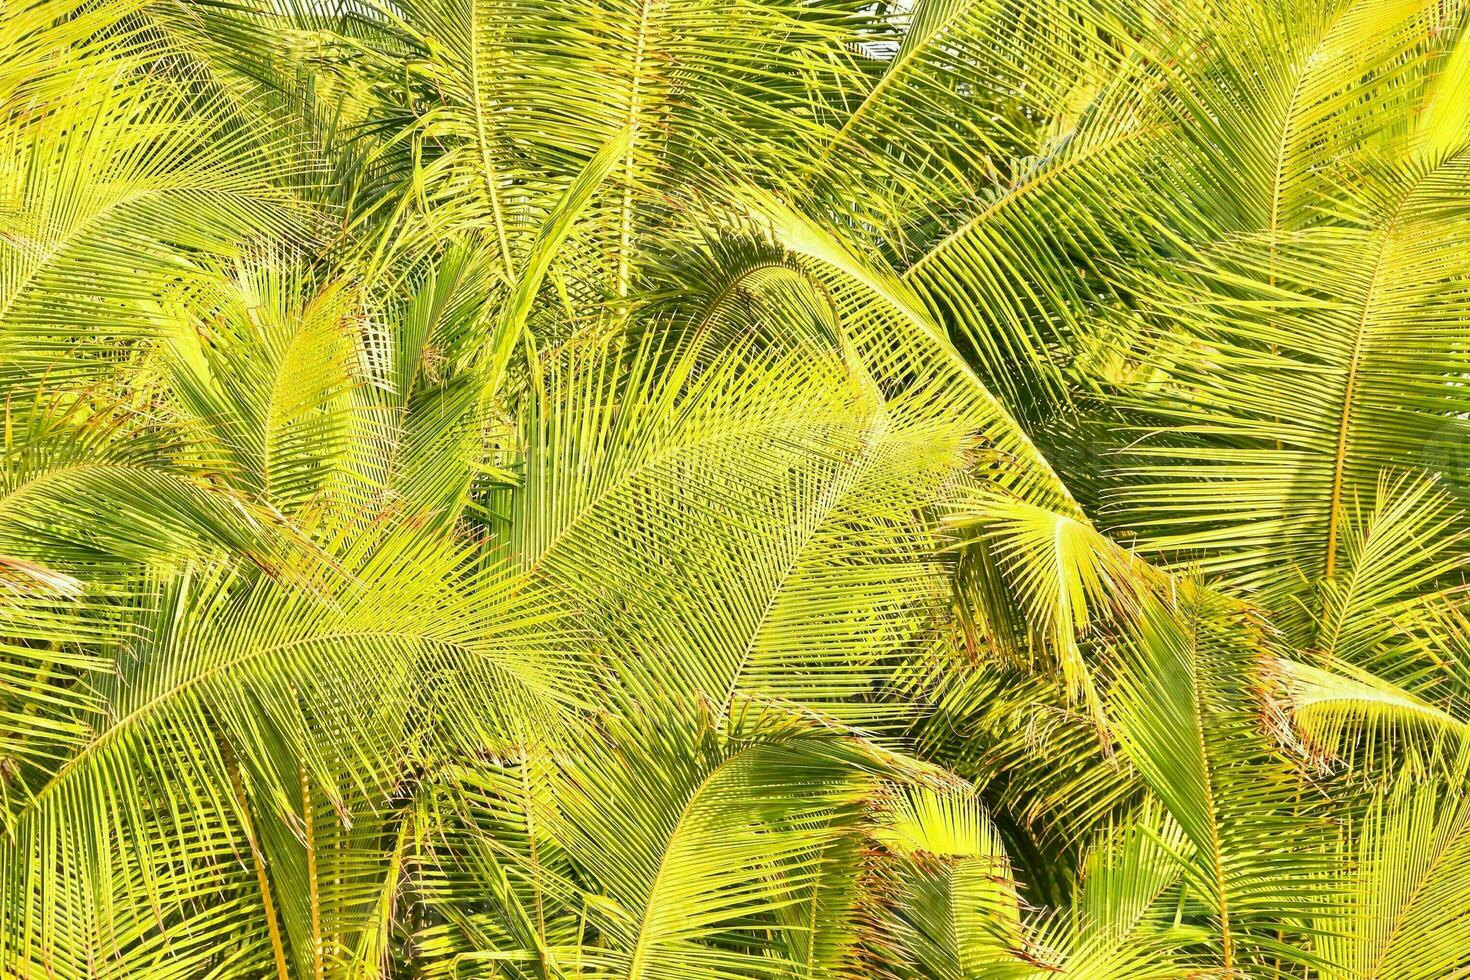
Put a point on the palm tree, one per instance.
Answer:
(746, 489)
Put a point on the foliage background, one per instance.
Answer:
(734, 488)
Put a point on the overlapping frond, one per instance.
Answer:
(786, 489)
